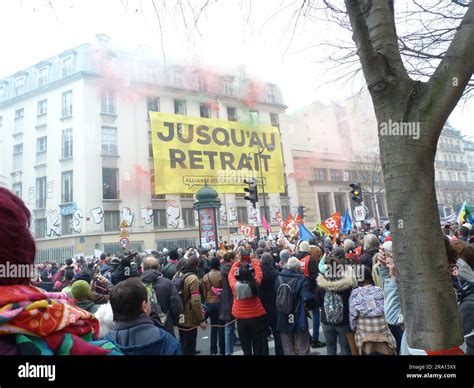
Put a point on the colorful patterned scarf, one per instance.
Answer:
(46, 323)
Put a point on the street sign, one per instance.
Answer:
(123, 242)
(359, 213)
(124, 232)
(123, 224)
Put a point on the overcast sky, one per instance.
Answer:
(231, 32)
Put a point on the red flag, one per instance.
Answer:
(246, 230)
(298, 219)
(332, 224)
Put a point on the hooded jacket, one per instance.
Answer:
(141, 337)
(267, 290)
(167, 296)
(249, 307)
(342, 286)
(301, 294)
(227, 298)
(466, 303)
(87, 305)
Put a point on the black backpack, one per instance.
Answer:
(169, 270)
(178, 282)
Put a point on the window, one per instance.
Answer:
(109, 140)
(160, 219)
(111, 221)
(242, 214)
(110, 183)
(231, 113)
(17, 189)
(285, 212)
(324, 208)
(336, 175)
(66, 224)
(205, 111)
(40, 227)
(41, 192)
(42, 76)
(67, 186)
(253, 116)
(20, 85)
(320, 174)
(41, 144)
(67, 144)
(340, 200)
(275, 120)
(153, 104)
(67, 103)
(19, 113)
(17, 148)
(229, 88)
(2, 91)
(202, 83)
(353, 176)
(67, 66)
(180, 107)
(179, 79)
(188, 217)
(108, 102)
(271, 94)
(42, 107)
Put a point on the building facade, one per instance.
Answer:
(337, 144)
(333, 146)
(454, 167)
(77, 147)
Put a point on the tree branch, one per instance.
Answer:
(447, 84)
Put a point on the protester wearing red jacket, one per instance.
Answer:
(245, 277)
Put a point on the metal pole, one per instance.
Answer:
(263, 188)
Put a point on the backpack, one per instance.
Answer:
(284, 297)
(169, 270)
(333, 307)
(178, 282)
(156, 313)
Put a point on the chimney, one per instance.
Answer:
(102, 40)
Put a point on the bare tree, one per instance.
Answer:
(429, 304)
(368, 171)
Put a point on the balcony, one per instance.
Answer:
(455, 165)
(449, 147)
(455, 185)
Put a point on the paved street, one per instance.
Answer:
(204, 338)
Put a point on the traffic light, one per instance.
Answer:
(356, 192)
(252, 195)
(301, 211)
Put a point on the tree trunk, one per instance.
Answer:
(431, 314)
(428, 299)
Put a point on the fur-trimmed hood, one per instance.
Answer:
(341, 284)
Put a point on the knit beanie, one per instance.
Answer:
(80, 290)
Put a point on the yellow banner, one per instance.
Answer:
(190, 151)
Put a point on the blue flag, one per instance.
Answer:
(305, 234)
(346, 222)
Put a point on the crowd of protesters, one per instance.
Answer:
(280, 290)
